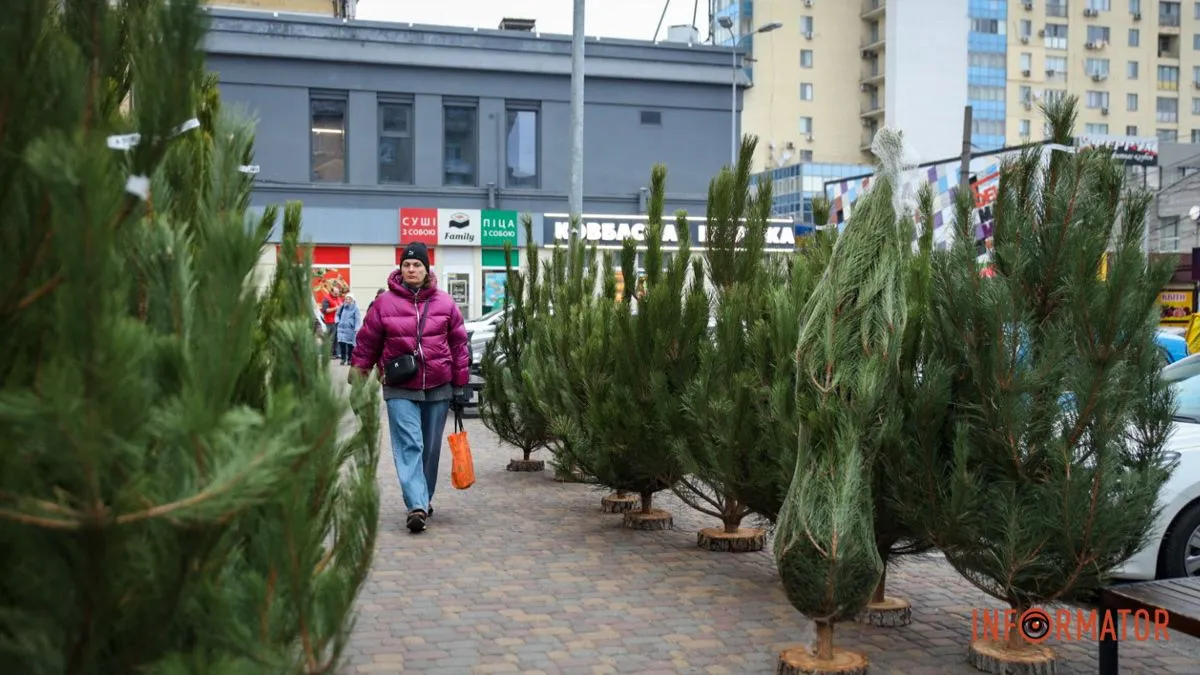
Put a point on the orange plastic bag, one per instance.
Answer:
(462, 471)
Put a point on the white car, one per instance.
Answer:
(1174, 547)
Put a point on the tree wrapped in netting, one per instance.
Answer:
(507, 406)
(1053, 460)
(727, 454)
(848, 354)
(159, 511)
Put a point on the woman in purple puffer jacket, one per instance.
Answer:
(417, 407)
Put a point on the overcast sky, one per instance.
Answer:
(634, 19)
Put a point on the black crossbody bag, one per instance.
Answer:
(401, 369)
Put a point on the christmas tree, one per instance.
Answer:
(633, 359)
(728, 458)
(160, 513)
(507, 407)
(1056, 396)
(848, 367)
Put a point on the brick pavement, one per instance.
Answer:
(522, 574)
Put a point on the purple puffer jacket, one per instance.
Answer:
(390, 329)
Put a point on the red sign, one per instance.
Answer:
(419, 225)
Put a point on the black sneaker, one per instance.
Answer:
(416, 521)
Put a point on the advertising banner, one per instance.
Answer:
(459, 227)
(498, 227)
(611, 230)
(419, 225)
(1176, 306)
(1129, 150)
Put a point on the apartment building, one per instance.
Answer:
(837, 70)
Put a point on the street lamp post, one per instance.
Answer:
(727, 23)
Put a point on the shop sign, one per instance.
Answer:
(612, 230)
(498, 228)
(1175, 306)
(459, 227)
(1129, 150)
(419, 225)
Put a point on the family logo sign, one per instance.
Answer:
(1070, 625)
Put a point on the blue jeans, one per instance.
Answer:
(416, 428)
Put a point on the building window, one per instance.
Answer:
(1166, 109)
(1056, 68)
(1056, 35)
(1131, 102)
(1056, 7)
(806, 155)
(806, 126)
(1026, 61)
(987, 127)
(1196, 106)
(1168, 78)
(1168, 234)
(460, 143)
(1196, 76)
(1196, 9)
(991, 26)
(522, 151)
(1168, 13)
(651, 118)
(1095, 129)
(1025, 95)
(806, 91)
(1100, 5)
(395, 142)
(1098, 34)
(1097, 99)
(1195, 135)
(1096, 67)
(1131, 130)
(1166, 135)
(806, 25)
(1135, 37)
(1131, 70)
(1024, 128)
(1053, 95)
(1135, 6)
(806, 58)
(986, 60)
(1025, 29)
(328, 115)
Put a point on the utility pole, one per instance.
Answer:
(964, 170)
(575, 206)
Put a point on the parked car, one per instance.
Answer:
(1173, 549)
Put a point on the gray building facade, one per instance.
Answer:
(362, 120)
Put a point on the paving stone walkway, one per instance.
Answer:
(522, 574)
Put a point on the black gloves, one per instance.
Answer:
(459, 399)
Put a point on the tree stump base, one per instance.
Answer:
(654, 519)
(992, 656)
(526, 465)
(572, 476)
(801, 661)
(616, 503)
(744, 540)
(890, 613)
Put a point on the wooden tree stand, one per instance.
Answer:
(620, 503)
(526, 465)
(743, 540)
(799, 660)
(654, 519)
(996, 656)
(887, 613)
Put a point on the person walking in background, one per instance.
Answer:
(415, 335)
(330, 299)
(349, 319)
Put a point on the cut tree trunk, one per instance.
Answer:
(654, 519)
(619, 502)
(825, 660)
(997, 656)
(741, 540)
(526, 465)
(883, 611)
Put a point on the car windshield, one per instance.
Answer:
(1184, 378)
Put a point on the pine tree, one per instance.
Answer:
(726, 453)
(848, 350)
(157, 513)
(773, 353)
(507, 407)
(1054, 389)
(633, 365)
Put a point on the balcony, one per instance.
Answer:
(872, 9)
(873, 75)
(873, 44)
(871, 108)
